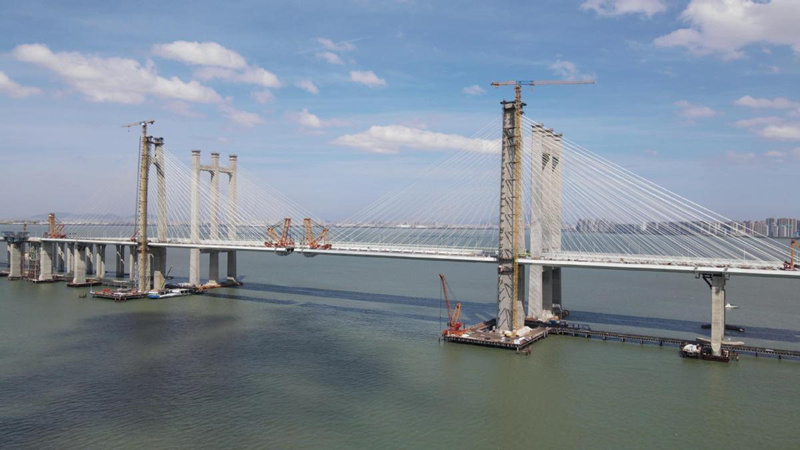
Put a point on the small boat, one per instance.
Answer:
(169, 293)
(729, 306)
(700, 351)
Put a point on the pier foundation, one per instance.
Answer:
(69, 258)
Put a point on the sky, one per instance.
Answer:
(337, 103)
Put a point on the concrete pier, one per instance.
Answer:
(69, 258)
(131, 263)
(90, 259)
(79, 263)
(159, 262)
(100, 261)
(213, 267)
(119, 260)
(15, 259)
(194, 227)
(46, 252)
(717, 312)
(544, 283)
(232, 266)
(194, 267)
(60, 266)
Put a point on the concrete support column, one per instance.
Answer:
(79, 264)
(194, 266)
(14, 259)
(159, 262)
(69, 258)
(547, 293)
(59, 254)
(213, 267)
(46, 252)
(100, 261)
(717, 312)
(232, 266)
(89, 259)
(132, 263)
(119, 259)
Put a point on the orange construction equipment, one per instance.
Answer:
(284, 241)
(453, 325)
(56, 229)
(319, 243)
(790, 265)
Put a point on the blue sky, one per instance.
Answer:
(701, 96)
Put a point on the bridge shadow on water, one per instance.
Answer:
(478, 311)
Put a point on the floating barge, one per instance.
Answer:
(483, 335)
(120, 295)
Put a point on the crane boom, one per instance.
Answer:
(539, 82)
(453, 325)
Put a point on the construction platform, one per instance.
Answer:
(87, 283)
(483, 335)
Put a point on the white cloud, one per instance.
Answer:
(181, 108)
(119, 80)
(776, 103)
(775, 154)
(367, 78)
(758, 121)
(309, 120)
(620, 7)
(243, 118)
(201, 53)
(15, 90)
(724, 27)
(740, 158)
(785, 132)
(308, 85)
(262, 96)
(474, 90)
(343, 46)
(250, 75)
(568, 70)
(392, 138)
(330, 57)
(650, 152)
(691, 111)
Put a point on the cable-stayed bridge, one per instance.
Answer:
(517, 195)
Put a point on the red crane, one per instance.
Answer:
(453, 325)
(284, 241)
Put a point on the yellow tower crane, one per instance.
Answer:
(518, 239)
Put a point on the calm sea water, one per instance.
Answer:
(334, 352)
